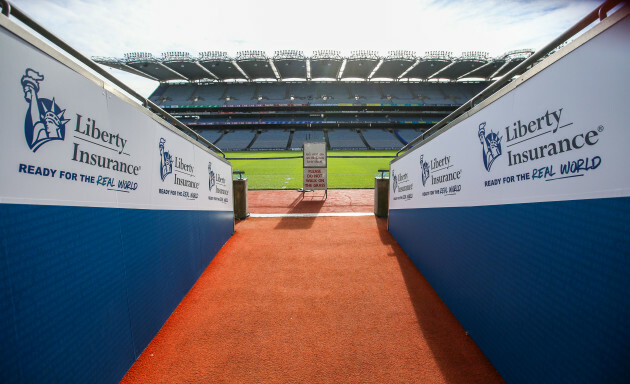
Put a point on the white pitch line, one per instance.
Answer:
(332, 214)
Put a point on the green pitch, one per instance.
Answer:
(344, 173)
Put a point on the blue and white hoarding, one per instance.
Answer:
(91, 148)
(518, 214)
(108, 215)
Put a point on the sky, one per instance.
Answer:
(115, 27)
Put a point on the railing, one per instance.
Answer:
(10, 10)
(599, 13)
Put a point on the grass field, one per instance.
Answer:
(343, 173)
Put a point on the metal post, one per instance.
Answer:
(381, 194)
(241, 209)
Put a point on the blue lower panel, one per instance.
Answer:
(543, 288)
(84, 290)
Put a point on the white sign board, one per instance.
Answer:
(315, 179)
(315, 155)
(315, 159)
(68, 141)
(560, 135)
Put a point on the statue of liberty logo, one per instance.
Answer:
(491, 144)
(425, 170)
(166, 161)
(212, 180)
(44, 120)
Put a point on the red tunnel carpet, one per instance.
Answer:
(312, 300)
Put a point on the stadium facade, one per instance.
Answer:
(363, 101)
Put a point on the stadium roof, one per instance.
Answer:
(220, 65)
(326, 64)
(394, 65)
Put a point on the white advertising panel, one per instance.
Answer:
(65, 140)
(560, 135)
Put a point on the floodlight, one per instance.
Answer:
(214, 56)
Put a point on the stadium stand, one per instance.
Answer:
(157, 95)
(366, 93)
(345, 139)
(211, 121)
(212, 135)
(238, 94)
(406, 134)
(303, 91)
(461, 91)
(271, 140)
(260, 109)
(301, 136)
(335, 92)
(181, 94)
(329, 93)
(396, 93)
(236, 140)
(243, 119)
(273, 92)
(210, 95)
(380, 139)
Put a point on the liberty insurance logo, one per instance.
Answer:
(491, 144)
(44, 121)
(425, 170)
(395, 183)
(212, 179)
(166, 160)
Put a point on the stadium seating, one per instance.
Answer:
(380, 139)
(373, 119)
(244, 119)
(313, 93)
(303, 92)
(239, 94)
(407, 134)
(274, 119)
(212, 135)
(341, 138)
(213, 95)
(429, 94)
(181, 94)
(156, 96)
(309, 118)
(212, 120)
(275, 139)
(336, 92)
(387, 113)
(272, 93)
(236, 140)
(399, 93)
(366, 92)
(461, 91)
(343, 119)
(300, 136)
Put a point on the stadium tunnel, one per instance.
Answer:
(524, 254)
